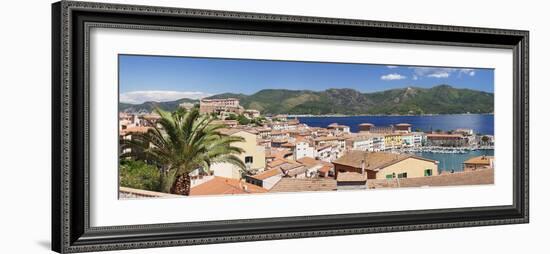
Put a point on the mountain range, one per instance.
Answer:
(442, 99)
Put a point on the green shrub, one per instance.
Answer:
(139, 175)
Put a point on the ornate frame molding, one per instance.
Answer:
(71, 22)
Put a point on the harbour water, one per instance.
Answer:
(483, 124)
(480, 123)
(454, 161)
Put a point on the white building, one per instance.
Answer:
(418, 138)
(303, 149)
(324, 153)
(360, 143)
(366, 142)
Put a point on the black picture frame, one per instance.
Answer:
(71, 22)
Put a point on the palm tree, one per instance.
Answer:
(181, 142)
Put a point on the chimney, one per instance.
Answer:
(363, 167)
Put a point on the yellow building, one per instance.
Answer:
(393, 140)
(253, 155)
(383, 165)
(410, 167)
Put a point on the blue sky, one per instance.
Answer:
(162, 78)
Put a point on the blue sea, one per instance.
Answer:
(483, 124)
(453, 161)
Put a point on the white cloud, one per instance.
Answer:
(393, 76)
(469, 72)
(440, 74)
(392, 66)
(136, 97)
(435, 72)
(415, 77)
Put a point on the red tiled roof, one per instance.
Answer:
(373, 160)
(222, 185)
(267, 174)
(138, 129)
(304, 184)
(308, 161)
(351, 177)
(480, 160)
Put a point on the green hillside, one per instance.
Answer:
(442, 99)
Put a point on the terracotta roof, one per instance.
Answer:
(221, 185)
(232, 131)
(319, 148)
(229, 131)
(304, 184)
(366, 124)
(151, 116)
(137, 129)
(364, 136)
(442, 135)
(326, 168)
(267, 174)
(480, 160)
(290, 166)
(277, 132)
(277, 162)
(351, 177)
(300, 139)
(278, 154)
(373, 160)
(308, 161)
(288, 145)
(331, 138)
(227, 122)
(484, 176)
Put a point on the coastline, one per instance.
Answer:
(383, 115)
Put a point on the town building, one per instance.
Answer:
(279, 134)
(303, 149)
(253, 155)
(290, 124)
(464, 131)
(317, 168)
(418, 139)
(324, 153)
(251, 113)
(365, 127)
(186, 105)
(220, 106)
(351, 181)
(225, 186)
(338, 129)
(266, 179)
(449, 140)
(364, 141)
(264, 132)
(393, 141)
(384, 165)
(227, 123)
(402, 128)
(337, 141)
(479, 163)
(407, 139)
(304, 184)
(360, 143)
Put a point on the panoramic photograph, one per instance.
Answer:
(196, 126)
